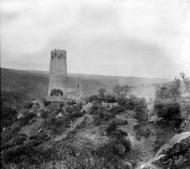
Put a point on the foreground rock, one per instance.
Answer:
(173, 155)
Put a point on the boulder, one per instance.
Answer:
(175, 153)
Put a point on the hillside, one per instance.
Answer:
(18, 86)
(96, 134)
(100, 131)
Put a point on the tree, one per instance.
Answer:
(175, 88)
(121, 90)
(116, 90)
(56, 92)
(169, 91)
(168, 109)
(125, 90)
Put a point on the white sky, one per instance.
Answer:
(113, 37)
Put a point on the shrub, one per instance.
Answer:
(122, 101)
(110, 99)
(100, 113)
(117, 110)
(114, 148)
(74, 115)
(141, 111)
(93, 98)
(54, 123)
(56, 92)
(158, 143)
(121, 91)
(74, 108)
(59, 124)
(27, 117)
(19, 139)
(28, 105)
(14, 141)
(169, 91)
(100, 117)
(39, 136)
(168, 109)
(27, 154)
(97, 109)
(37, 139)
(8, 116)
(111, 127)
(136, 104)
(9, 134)
(44, 114)
(143, 132)
(119, 134)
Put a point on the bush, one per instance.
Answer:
(56, 92)
(114, 148)
(169, 91)
(119, 134)
(37, 139)
(158, 143)
(141, 111)
(9, 134)
(27, 154)
(19, 139)
(100, 113)
(143, 132)
(28, 105)
(54, 123)
(111, 127)
(44, 114)
(14, 141)
(110, 99)
(168, 109)
(136, 104)
(93, 98)
(97, 109)
(39, 136)
(8, 116)
(27, 117)
(59, 124)
(75, 108)
(117, 110)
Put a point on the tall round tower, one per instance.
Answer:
(58, 71)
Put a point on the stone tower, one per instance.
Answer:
(58, 71)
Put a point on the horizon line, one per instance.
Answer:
(130, 76)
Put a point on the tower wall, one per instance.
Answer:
(58, 71)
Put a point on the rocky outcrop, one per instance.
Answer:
(175, 153)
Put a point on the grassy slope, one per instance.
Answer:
(20, 86)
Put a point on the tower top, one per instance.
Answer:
(58, 53)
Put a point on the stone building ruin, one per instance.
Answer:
(60, 86)
(58, 71)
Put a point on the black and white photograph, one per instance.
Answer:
(95, 84)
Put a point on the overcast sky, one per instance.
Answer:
(112, 37)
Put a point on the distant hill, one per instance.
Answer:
(18, 86)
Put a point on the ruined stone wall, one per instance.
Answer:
(58, 71)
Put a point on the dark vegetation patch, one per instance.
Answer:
(169, 110)
(167, 104)
(8, 116)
